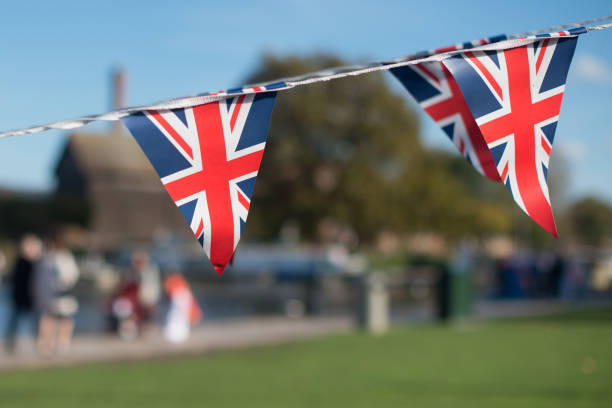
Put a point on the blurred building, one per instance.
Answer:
(125, 198)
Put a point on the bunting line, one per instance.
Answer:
(284, 84)
(582, 23)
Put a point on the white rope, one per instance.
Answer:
(321, 76)
(599, 27)
(563, 27)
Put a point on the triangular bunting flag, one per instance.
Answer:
(436, 91)
(515, 96)
(207, 157)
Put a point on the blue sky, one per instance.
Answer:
(57, 57)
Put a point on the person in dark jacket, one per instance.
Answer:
(21, 294)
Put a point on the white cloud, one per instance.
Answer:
(593, 68)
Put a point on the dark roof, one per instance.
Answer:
(111, 158)
(128, 201)
(102, 152)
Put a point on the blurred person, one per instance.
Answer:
(183, 311)
(556, 274)
(135, 302)
(149, 285)
(574, 281)
(21, 296)
(2, 264)
(601, 278)
(125, 314)
(56, 277)
(508, 277)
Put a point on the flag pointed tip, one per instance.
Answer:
(550, 227)
(554, 233)
(219, 269)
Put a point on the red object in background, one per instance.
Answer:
(176, 285)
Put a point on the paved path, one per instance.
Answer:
(237, 334)
(250, 332)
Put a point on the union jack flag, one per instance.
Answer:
(436, 91)
(515, 96)
(207, 157)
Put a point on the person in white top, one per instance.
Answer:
(56, 276)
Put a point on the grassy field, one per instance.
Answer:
(562, 361)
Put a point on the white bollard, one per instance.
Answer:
(377, 303)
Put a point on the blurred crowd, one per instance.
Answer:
(132, 294)
(529, 274)
(42, 297)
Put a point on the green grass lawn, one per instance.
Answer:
(562, 361)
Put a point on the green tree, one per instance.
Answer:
(348, 152)
(590, 220)
(334, 151)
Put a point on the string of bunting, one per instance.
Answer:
(498, 99)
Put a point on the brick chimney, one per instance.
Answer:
(118, 97)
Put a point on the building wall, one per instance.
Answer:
(127, 202)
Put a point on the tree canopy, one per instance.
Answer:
(347, 154)
(590, 220)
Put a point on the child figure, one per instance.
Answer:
(183, 312)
